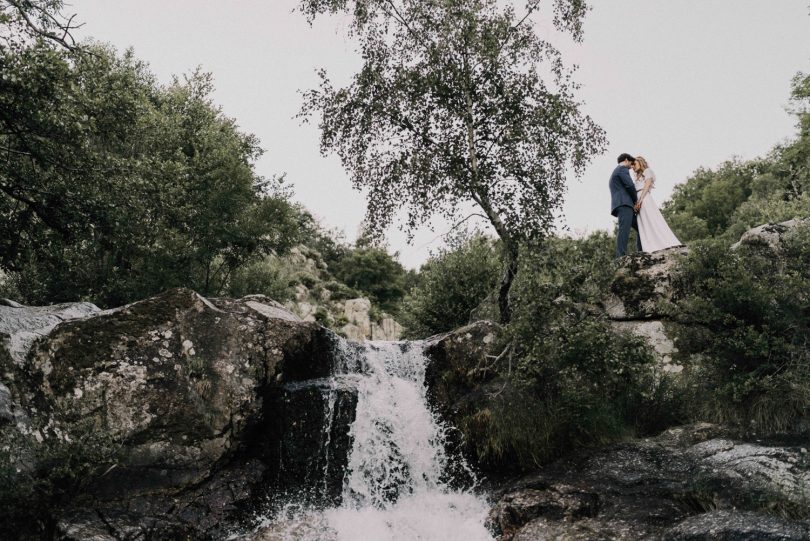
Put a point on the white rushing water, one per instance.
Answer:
(394, 488)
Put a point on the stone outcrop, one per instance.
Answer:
(642, 289)
(20, 326)
(315, 301)
(460, 364)
(641, 283)
(168, 418)
(768, 237)
(356, 313)
(674, 486)
(360, 327)
(639, 290)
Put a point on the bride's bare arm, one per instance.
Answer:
(647, 185)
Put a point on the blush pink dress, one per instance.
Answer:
(653, 229)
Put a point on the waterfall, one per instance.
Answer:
(395, 485)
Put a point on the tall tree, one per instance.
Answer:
(458, 102)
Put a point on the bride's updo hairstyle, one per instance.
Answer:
(642, 163)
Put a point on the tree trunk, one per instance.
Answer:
(510, 269)
(480, 196)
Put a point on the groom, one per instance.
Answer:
(623, 199)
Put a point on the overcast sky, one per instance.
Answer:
(687, 84)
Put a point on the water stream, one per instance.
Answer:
(396, 485)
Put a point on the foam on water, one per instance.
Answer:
(394, 488)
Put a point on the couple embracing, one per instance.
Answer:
(632, 203)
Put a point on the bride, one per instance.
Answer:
(653, 229)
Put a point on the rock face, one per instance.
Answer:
(642, 285)
(328, 302)
(459, 361)
(768, 236)
(170, 416)
(20, 326)
(356, 312)
(670, 487)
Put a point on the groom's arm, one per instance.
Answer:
(627, 182)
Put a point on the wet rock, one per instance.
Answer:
(737, 526)
(686, 482)
(307, 439)
(158, 410)
(782, 472)
(459, 362)
(555, 502)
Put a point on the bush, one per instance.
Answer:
(569, 380)
(269, 276)
(374, 272)
(8, 286)
(746, 333)
(449, 286)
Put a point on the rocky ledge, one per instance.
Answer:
(167, 418)
(689, 483)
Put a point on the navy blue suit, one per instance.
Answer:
(623, 198)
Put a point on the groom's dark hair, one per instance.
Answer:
(625, 156)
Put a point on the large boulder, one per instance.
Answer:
(692, 482)
(641, 282)
(641, 291)
(460, 361)
(769, 237)
(154, 417)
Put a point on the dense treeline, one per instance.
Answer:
(114, 187)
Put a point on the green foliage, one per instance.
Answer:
(568, 379)
(740, 195)
(340, 291)
(450, 286)
(457, 104)
(374, 272)
(747, 332)
(268, 276)
(116, 188)
(705, 204)
(36, 479)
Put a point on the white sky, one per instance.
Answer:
(686, 83)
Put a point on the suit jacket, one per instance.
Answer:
(622, 189)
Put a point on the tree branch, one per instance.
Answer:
(66, 27)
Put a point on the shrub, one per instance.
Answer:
(746, 333)
(374, 272)
(569, 380)
(269, 276)
(449, 286)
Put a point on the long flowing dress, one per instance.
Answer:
(652, 227)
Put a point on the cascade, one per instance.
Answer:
(395, 485)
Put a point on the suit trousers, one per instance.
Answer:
(627, 220)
